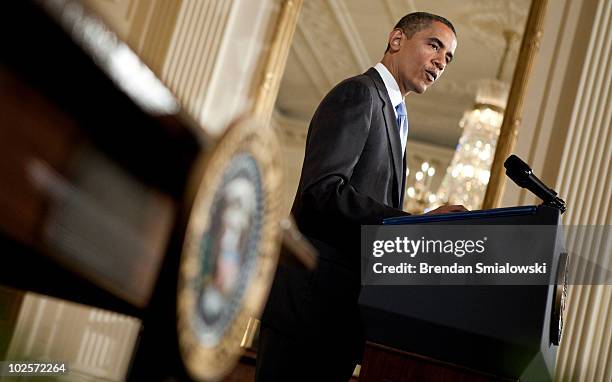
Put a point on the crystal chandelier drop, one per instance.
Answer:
(467, 176)
(419, 195)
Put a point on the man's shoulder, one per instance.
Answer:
(362, 80)
(362, 85)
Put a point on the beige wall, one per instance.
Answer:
(292, 136)
(96, 344)
(565, 137)
(551, 94)
(210, 53)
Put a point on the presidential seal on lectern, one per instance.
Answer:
(230, 249)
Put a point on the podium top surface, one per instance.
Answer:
(456, 216)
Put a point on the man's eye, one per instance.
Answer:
(435, 47)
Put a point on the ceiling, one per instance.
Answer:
(336, 39)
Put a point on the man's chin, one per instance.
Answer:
(421, 89)
(418, 88)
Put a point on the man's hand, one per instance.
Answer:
(447, 208)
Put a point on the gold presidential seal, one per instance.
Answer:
(230, 249)
(559, 300)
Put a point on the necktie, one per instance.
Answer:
(402, 124)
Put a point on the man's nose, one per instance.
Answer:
(440, 63)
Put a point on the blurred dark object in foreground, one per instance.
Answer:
(90, 181)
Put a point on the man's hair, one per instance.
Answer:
(416, 21)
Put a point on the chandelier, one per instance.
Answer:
(419, 195)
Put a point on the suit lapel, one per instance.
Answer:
(392, 130)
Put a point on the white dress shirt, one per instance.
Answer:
(394, 94)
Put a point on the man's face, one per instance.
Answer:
(421, 59)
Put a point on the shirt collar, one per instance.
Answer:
(392, 87)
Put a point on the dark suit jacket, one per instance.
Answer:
(352, 175)
(353, 170)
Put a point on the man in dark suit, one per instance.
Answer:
(353, 174)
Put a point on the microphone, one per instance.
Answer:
(523, 176)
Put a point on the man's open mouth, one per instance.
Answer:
(431, 75)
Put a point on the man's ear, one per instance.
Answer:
(395, 38)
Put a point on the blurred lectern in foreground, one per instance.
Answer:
(470, 332)
(113, 197)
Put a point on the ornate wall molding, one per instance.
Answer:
(484, 24)
(330, 46)
(455, 88)
(119, 15)
(395, 11)
(152, 30)
(290, 129)
(307, 61)
(200, 28)
(327, 42)
(292, 135)
(145, 25)
(351, 33)
(96, 344)
(584, 178)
